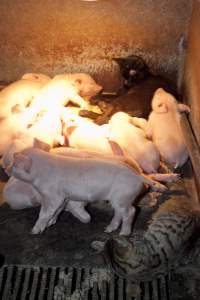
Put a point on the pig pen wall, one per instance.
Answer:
(191, 76)
(75, 36)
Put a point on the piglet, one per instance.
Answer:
(64, 88)
(19, 94)
(16, 136)
(38, 77)
(60, 179)
(133, 141)
(13, 127)
(19, 194)
(135, 145)
(164, 128)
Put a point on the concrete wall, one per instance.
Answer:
(191, 79)
(53, 36)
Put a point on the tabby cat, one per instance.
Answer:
(162, 244)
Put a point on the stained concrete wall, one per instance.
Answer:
(54, 36)
(191, 78)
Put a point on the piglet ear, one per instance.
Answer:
(22, 162)
(116, 149)
(41, 145)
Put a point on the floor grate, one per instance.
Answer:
(56, 283)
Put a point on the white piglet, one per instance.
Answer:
(19, 94)
(61, 179)
(164, 128)
(64, 88)
(134, 142)
(19, 194)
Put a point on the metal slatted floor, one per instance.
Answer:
(46, 283)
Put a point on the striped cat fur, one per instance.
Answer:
(161, 246)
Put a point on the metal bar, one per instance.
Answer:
(17, 283)
(26, 283)
(51, 283)
(120, 285)
(194, 153)
(43, 284)
(140, 295)
(103, 290)
(86, 284)
(112, 288)
(1, 278)
(78, 279)
(95, 291)
(7, 288)
(34, 285)
(68, 287)
(146, 291)
(163, 290)
(155, 289)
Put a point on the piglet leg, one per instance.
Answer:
(115, 222)
(127, 220)
(165, 177)
(75, 98)
(77, 209)
(49, 212)
(139, 122)
(164, 168)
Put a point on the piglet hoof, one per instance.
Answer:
(125, 232)
(85, 106)
(158, 187)
(85, 219)
(175, 177)
(108, 229)
(37, 229)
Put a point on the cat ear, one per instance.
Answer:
(119, 60)
(122, 246)
(22, 161)
(41, 145)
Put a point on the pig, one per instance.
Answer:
(19, 94)
(109, 140)
(19, 194)
(42, 78)
(88, 136)
(25, 141)
(12, 128)
(164, 128)
(139, 122)
(83, 134)
(64, 88)
(133, 141)
(47, 128)
(16, 145)
(135, 145)
(59, 179)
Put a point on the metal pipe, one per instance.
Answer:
(194, 154)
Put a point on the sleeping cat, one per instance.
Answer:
(161, 246)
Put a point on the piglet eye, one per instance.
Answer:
(79, 81)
